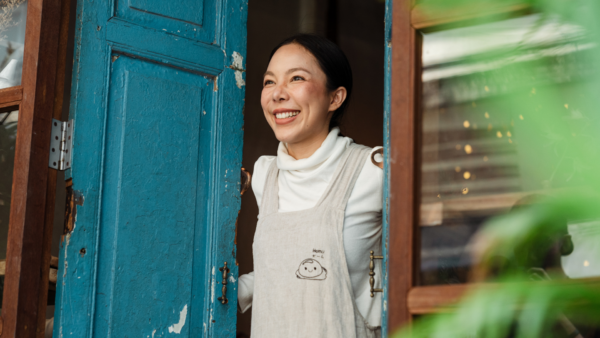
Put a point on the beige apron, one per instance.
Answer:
(301, 283)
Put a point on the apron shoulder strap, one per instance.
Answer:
(270, 199)
(342, 183)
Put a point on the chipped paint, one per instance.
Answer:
(178, 326)
(238, 66)
(153, 332)
(212, 287)
(231, 278)
(239, 80)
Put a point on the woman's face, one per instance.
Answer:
(295, 98)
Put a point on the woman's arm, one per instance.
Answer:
(245, 291)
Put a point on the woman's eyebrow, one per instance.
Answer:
(291, 70)
(295, 69)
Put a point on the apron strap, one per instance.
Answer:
(270, 199)
(342, 183)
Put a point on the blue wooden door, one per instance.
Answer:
(157, 100)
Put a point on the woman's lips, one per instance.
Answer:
(286, 117)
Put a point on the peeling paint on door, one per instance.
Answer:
(178, 326)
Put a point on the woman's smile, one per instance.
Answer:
(285, 116)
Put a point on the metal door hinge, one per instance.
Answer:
(61, 145)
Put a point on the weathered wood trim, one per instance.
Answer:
(421, 18)
(11, 94)
(20, 308)
(403, 143)
(430, 299)
(59, 95)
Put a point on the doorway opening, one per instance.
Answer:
(357, 26)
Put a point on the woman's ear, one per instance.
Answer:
(338, 97)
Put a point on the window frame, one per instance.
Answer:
(39, 98)
(404, 297)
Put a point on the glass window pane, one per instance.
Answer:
(478, 156)
(8, 137)
(13, 16)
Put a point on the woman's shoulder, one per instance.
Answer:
(263, 163)
(370, 169)
(368, 189)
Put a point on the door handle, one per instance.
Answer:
(225, 270)
(373, 154)
(372, 273)
(246, 180)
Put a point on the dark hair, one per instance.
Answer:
(333, 63)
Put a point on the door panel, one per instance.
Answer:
(192, 19)
(154, 199)
(156, 170)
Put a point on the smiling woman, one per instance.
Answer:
(309, 75)
(320, 202)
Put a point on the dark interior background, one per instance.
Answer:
(357, 26)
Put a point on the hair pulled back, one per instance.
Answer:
(333, 63)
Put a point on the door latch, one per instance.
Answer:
(372, 274)
(246, 181)
(225, 270)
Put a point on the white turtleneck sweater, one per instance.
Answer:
(301, 184)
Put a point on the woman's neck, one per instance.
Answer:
(306, 148)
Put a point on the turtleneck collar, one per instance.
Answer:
(331, 148)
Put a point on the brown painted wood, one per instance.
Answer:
(11, 94)
(441, 298)
(59, 96)
(430, 299)
(403, 204)
(422, 18)
(25, 253)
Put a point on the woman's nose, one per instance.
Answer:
(280, 93)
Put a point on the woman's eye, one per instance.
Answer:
(268, 82)
(297, 78)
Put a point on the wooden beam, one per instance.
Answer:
(431, 299)
(424, 18)
(25, 253)
(11, 94)
(49, 275)
(403, 201)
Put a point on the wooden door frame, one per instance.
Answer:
(34, 183)
(403, 297)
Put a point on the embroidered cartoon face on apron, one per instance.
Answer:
(301, 283)
(311, 269)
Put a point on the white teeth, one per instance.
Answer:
(286, 115)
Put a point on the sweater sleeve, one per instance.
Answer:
(245, 291)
